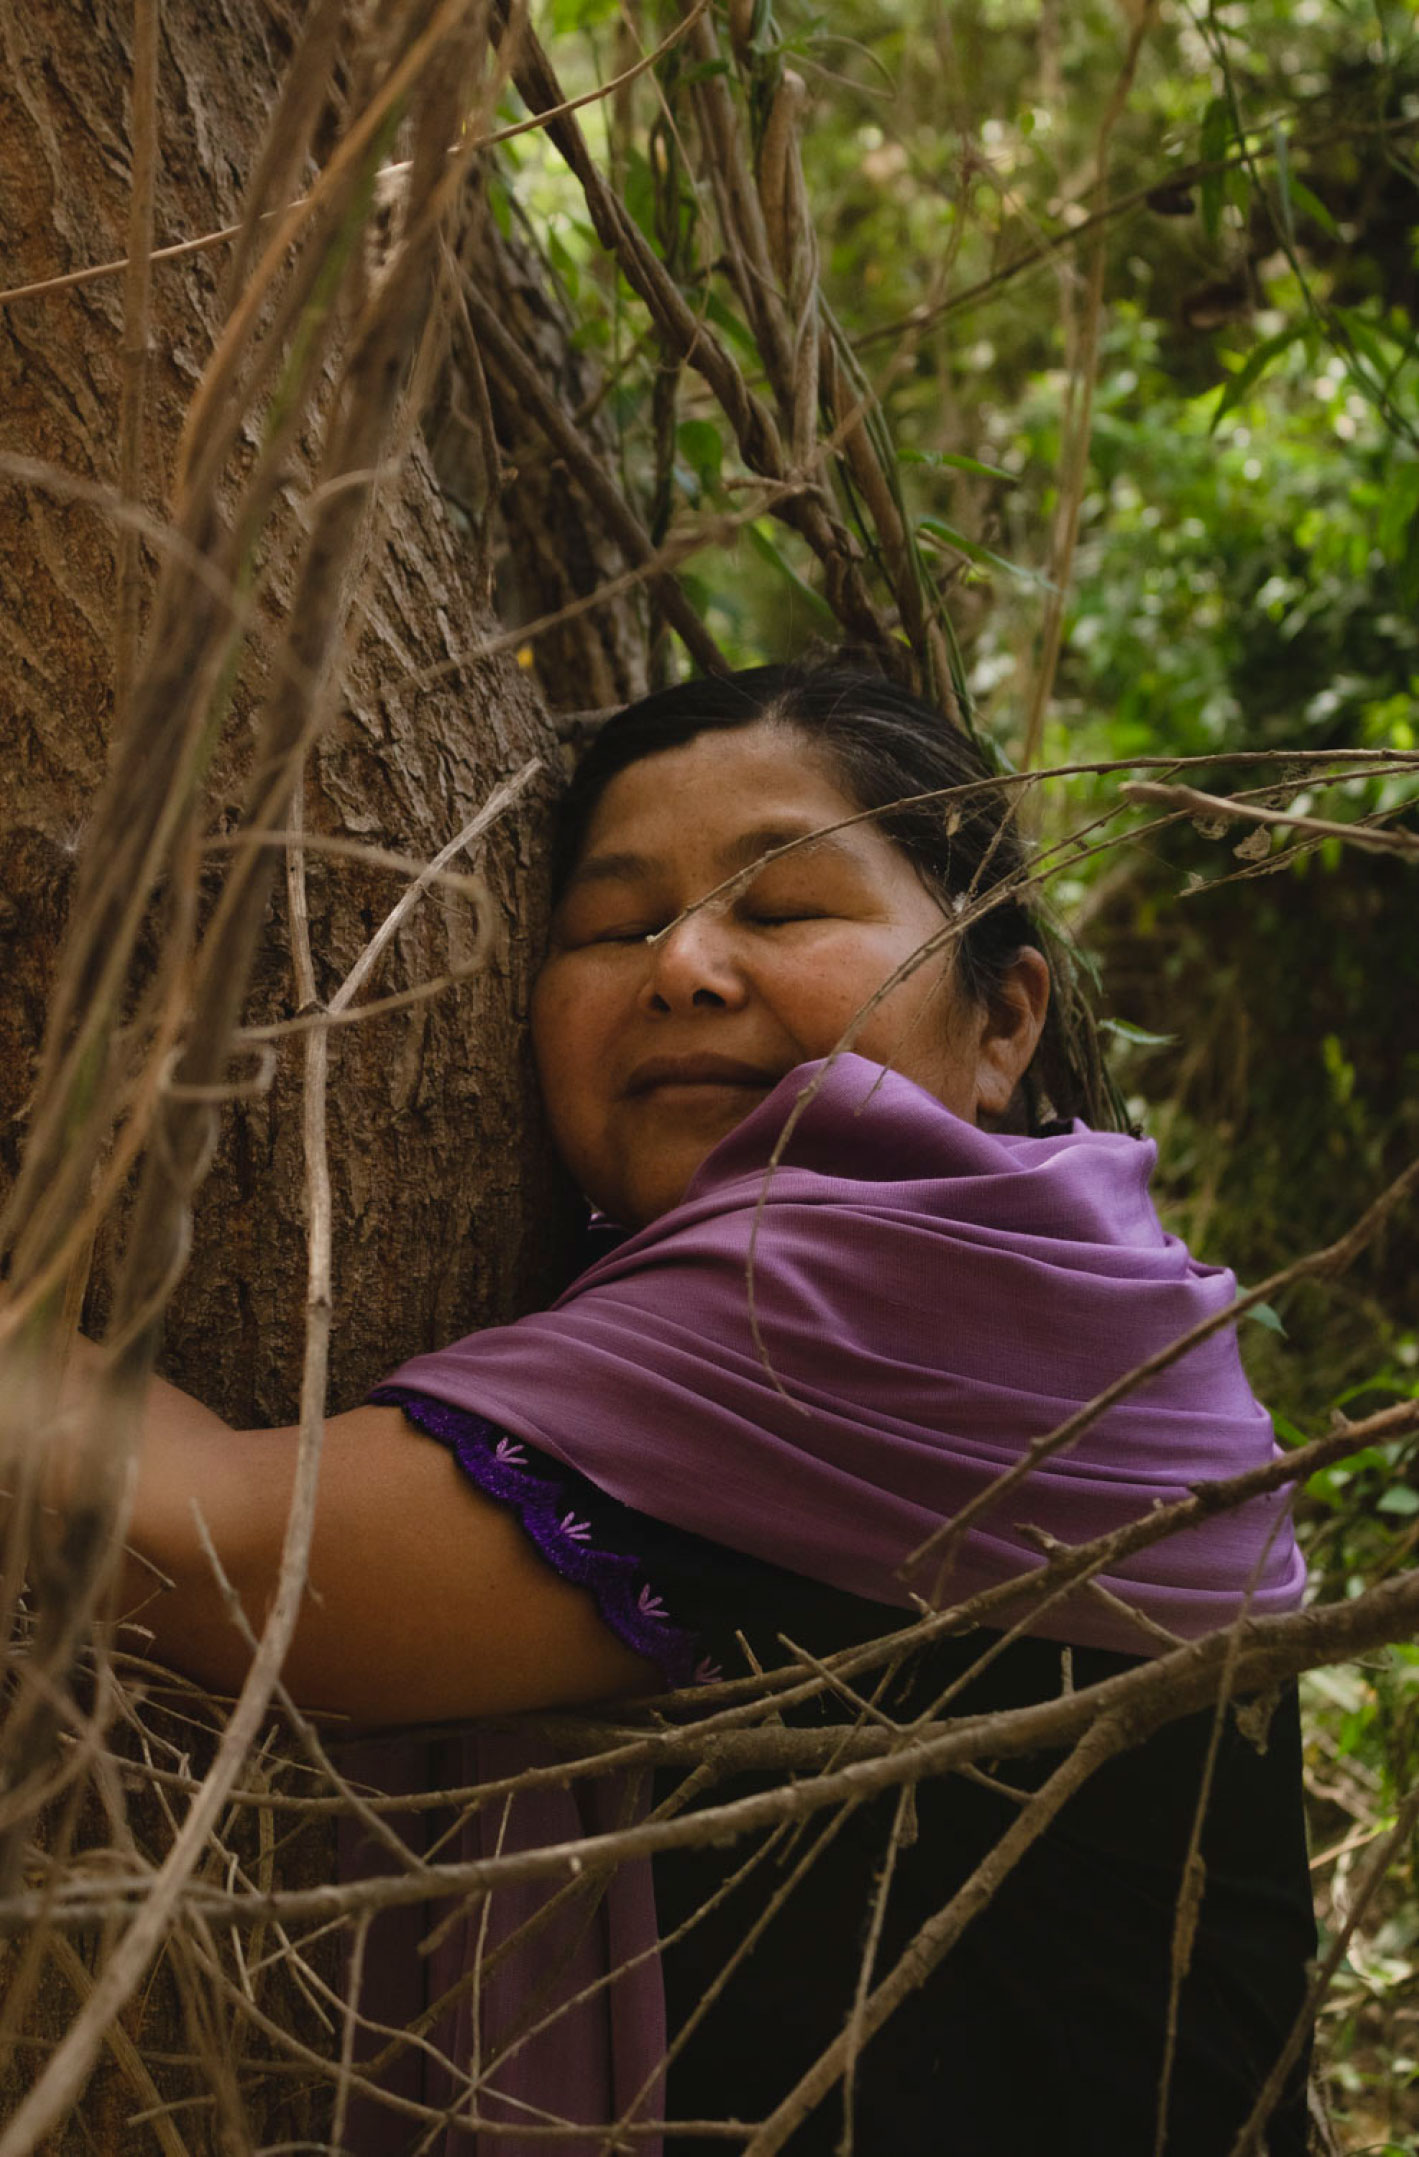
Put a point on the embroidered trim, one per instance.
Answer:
(551, 1502)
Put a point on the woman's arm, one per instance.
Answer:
(425, 1599)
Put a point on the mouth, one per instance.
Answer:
(699, 1071)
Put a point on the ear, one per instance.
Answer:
(1008, 1032)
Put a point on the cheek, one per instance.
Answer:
(554, 1035)
(832, 989)
(914, 1027)
(573, 1023)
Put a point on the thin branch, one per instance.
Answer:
(1141, 1699)
(1370, 838)
(940, 1933)
(524, 380)
(501, 798)
(1333, 1258)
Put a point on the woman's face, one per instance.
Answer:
(649, 1054)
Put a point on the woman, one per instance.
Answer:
(791, 1036)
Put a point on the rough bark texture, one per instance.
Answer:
(550, 548)
(432, 1145)
(448, 1213)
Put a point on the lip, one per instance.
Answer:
(700, 1070)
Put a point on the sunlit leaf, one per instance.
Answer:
(1124, 1030)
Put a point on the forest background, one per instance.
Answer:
(1067, 356)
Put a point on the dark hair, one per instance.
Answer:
(884, 745)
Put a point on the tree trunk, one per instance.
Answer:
(448, 1211)
(434, 1138)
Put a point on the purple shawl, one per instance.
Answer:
(930, 1298)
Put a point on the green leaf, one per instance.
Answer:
(1216, 138)
(764, 546)
(1254, 366)
(1313, 207)
(1363, 335)
(946, 535)
(1125, 1030)
(701, 448)
(1264, 1315)
(1372, 333)
(942, 457)
(1400, 1501)
(1409, 568)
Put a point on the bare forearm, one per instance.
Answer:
(425, 1598)
(195, 1485)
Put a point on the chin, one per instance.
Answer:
(647, 1199)
(639, 1208)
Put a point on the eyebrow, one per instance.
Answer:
(740, 853)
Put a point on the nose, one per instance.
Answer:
(693, 966)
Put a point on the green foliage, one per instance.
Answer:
(1245, 578)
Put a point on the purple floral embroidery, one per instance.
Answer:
(537, 1491)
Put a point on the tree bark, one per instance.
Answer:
(448, 1210)
(435, 1125)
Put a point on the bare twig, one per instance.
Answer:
(1141, 1699)
(1369, 837)
(1323, 1264)
(940, 1933)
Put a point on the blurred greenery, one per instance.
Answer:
(1246, 578)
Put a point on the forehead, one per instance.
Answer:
(765, 782)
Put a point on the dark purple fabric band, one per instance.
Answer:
(550, 1501)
